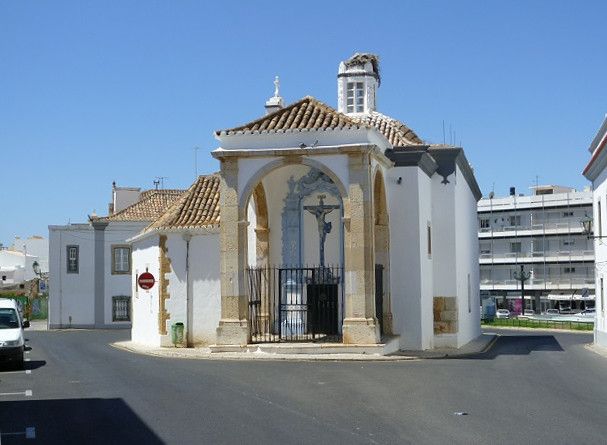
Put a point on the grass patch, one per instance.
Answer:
(539, 324)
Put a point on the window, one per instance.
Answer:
(515, 247)
(515, 220)
(538, 245)
(483, 223)
(121, 308)
(485, 248)
(429, 236)
(568, 269)
(355, 97)
(121, 260)
(72, 259)
(566, 214)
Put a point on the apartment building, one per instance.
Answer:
(543, 233)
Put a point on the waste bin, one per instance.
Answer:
(177, 333)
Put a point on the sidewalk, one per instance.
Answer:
(480, 345)
(204, 353)
(600, 350)
(38, 325)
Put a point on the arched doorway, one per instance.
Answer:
(294, 278)
(381, 232)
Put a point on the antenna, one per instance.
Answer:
(444, 140)
(196, 161)
(160, 180)
(156, 184)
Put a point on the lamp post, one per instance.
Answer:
(522, 276)
(36, 267)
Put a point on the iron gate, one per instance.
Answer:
(295, 303)
(379, 296)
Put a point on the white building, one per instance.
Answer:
(322, 225)
(36, 246)
(90, 263)
(16, 267)
(596, 172)
(542, 232)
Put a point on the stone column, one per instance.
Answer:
(233, 326)
(360, 325)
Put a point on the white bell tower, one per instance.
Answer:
(357, 83)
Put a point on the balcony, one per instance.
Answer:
(530, 230)
(536, 257)
(539, 283)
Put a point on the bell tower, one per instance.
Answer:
(357, 83)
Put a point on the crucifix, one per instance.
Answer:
(320, 212)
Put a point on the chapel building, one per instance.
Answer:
(323, 225)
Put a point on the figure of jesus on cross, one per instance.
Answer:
(320, 212)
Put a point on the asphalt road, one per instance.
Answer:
(539, 387)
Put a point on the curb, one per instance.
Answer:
(239, 356)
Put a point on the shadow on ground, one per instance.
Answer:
(516, 345)
(74, 421)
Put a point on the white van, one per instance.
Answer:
(12, 343)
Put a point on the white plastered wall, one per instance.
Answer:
(204, 287)
(455, 254)
(600, 255)
(444, 248)
(410, 267)
(71, 295)
(145, 307)
(116, 234)
(467, 253)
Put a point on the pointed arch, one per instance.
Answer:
(381, 233)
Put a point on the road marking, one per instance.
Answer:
(27, 359)
(26, 393)
(27, 371)
(27, 352)
(29, 433)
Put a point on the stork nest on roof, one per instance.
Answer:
(361, 59)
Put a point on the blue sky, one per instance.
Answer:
(92, 92)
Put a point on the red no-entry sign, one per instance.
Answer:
(146, 280)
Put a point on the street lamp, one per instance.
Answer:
(522, 276)
(36, 267)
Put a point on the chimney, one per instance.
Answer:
(512, 191)
(275, 102)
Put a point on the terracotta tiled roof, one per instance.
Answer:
(306, 114)
(151, 204)
(311, 114)
(197, 207)
(397, 133)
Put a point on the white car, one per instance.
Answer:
(552, 312)
(502, 313)
(12, 343)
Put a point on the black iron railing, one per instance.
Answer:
(295, 303)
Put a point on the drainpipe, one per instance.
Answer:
(188, 303)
